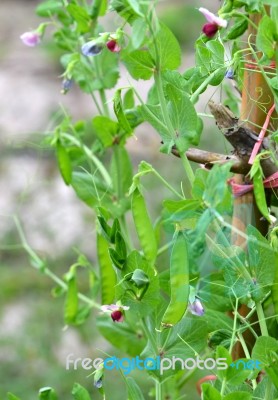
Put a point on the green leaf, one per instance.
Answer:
(81, 17)
(133, 390)
(221, 352)
(135, 6)
(47, 393)
(238, 396)
(11, 396)
(106, 129)
(266, 37)
(139, 64)
(153, 114)
(141, 302)
(48, 8)
(80, 393)
(217, 194)
(241, 370)
(168, 49)
(64, 163)
(210, 393)
(124, 337)
(263, 349)
(184, 123)
(262, 262)
(119, 112)
(106, 74)
(138, 32)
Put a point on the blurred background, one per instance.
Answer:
(33, 341)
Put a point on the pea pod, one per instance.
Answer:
(179, 282)
(144, 227)
(274, 289)
(107, 273)
(259, 193)
(237, 30)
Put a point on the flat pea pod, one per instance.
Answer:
(107, 273)
(179, 282)
(143, 225)
(237, 30)
(274, 289)
(259, 193)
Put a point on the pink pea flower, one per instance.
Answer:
(113, 46)
(31, 39)
(196, 308)
(117, 311)
(213, 24)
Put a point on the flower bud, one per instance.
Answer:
(113, 46)
(91, 48)
(210, 29)
(117, 316)
(30, 39)
(196, 308)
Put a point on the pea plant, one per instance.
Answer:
(197, 289)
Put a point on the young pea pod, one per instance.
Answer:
(144, 226)
(179, 282)
(107, 273)
(274, 289)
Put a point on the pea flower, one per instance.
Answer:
(196, 308)
(92, 48)
(117, 311)
(213, 24)
(113, 46)
(229, 73)
(66, 85)
(31, 39)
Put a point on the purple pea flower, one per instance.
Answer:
(229, 74)
(117, 311)
(113, 46)
(66, 85)
(213, 24)
(92, 48)
(31, 39)
(196, 308)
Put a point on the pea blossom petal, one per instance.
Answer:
(210, 29)
(196, 308)
(212, 18)
(91, 48)
(30, 39)
(113, 46)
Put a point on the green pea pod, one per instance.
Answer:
(144, 226)
(179, 282)
(107, 273)
(260, 195)
(274, 289)
(236, 30)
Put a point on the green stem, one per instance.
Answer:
(158, 391)
(188, 168)
(164, 248)
(247, 354)
(91, 156)
(149, 335)
(39, 264)
(195, 95)
(167, 185)
(261, 319)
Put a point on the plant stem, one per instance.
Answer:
(39, 264)
(167, 184)
(195, 95)
(261, 319)
(188, 168)
(158, 390)
(164, 248)
(91, 156)
(247, 354)
(149, 335)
